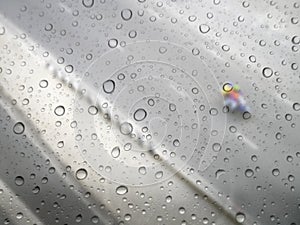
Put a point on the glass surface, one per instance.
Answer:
(116, 112)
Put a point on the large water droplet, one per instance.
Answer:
(126, 128)
(2, 30)
(121, 190)
(216, 147)
(159, 174)
(59, 110)
(142, 170)
(19, 128)
(126, 14)
(19, 181)
(81, 174)
(43, 83)
(296, 106)
(88, 3)
(240, 217)
(112, 43)
(139, 114)
(108, 86)
(275, 172)
(93, 110)
(267, 72)
(115, 152)
(204, 28)
(249, 173)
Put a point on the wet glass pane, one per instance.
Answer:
(149, 112)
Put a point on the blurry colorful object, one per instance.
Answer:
(233, 97)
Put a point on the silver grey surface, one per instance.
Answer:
(156, 145)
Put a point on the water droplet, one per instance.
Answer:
(126, 14)
(151, 102)
(176, 143)
(108, 86)
(81, 174)
(127, 217)
(216, 147)
(48, 27)
(95, 219)
(19, 181)
(246, 115)
(112, 43)
(296, 40)
(19, 128)
(249, 173)
(36, 190)
(162, 50)
(142, 170)
(59, 110)
(267, 72)
(140, 114)
(159, 174)
(213, 111)
(169, 199)
(121, 190)
(240, 217)
(192, 18)
(219, 173)
(126, 128)
(69, 68)
(93, 110)
(2, 30)
(132, 34)
(115, 152)
(172, 107)
(275, 172)
(296, 106)
(252, 58)
(88, 3)
(43, 83)
(19, 215)
(181, 210)
(204, 28)
(232, 129)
